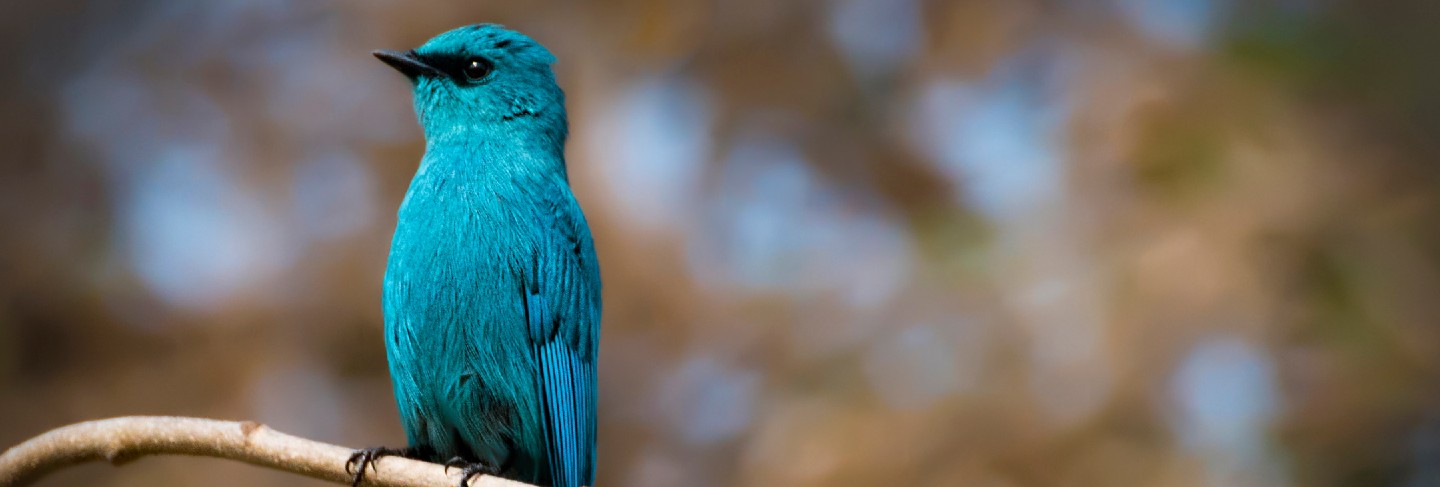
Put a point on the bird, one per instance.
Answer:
(492, 290)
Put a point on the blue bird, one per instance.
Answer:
(492, 292)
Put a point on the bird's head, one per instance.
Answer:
(483, 78)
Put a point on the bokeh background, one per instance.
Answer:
(850, 242)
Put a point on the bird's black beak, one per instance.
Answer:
(407, 63)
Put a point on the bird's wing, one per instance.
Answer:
(563, 312)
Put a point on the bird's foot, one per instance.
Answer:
(361, 458)
(469, 469)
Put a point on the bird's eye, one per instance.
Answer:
(475, 69)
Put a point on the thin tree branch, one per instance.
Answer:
(120, 440)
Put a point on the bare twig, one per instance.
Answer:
(120, 440)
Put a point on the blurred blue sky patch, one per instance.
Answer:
(654, 140)
(1179, 23)
(194, 236)
(771, 225)
(876, 36)
(1001, 139)
(706, 400)
(1225, 390)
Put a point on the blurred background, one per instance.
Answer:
(845, 242)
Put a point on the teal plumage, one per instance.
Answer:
(492, 292)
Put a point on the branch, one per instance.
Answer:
(121, 440)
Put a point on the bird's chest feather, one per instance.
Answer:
(460, 244)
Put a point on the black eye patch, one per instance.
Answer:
(460, 68)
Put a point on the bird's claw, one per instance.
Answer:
(361, 458)
(469, 469)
